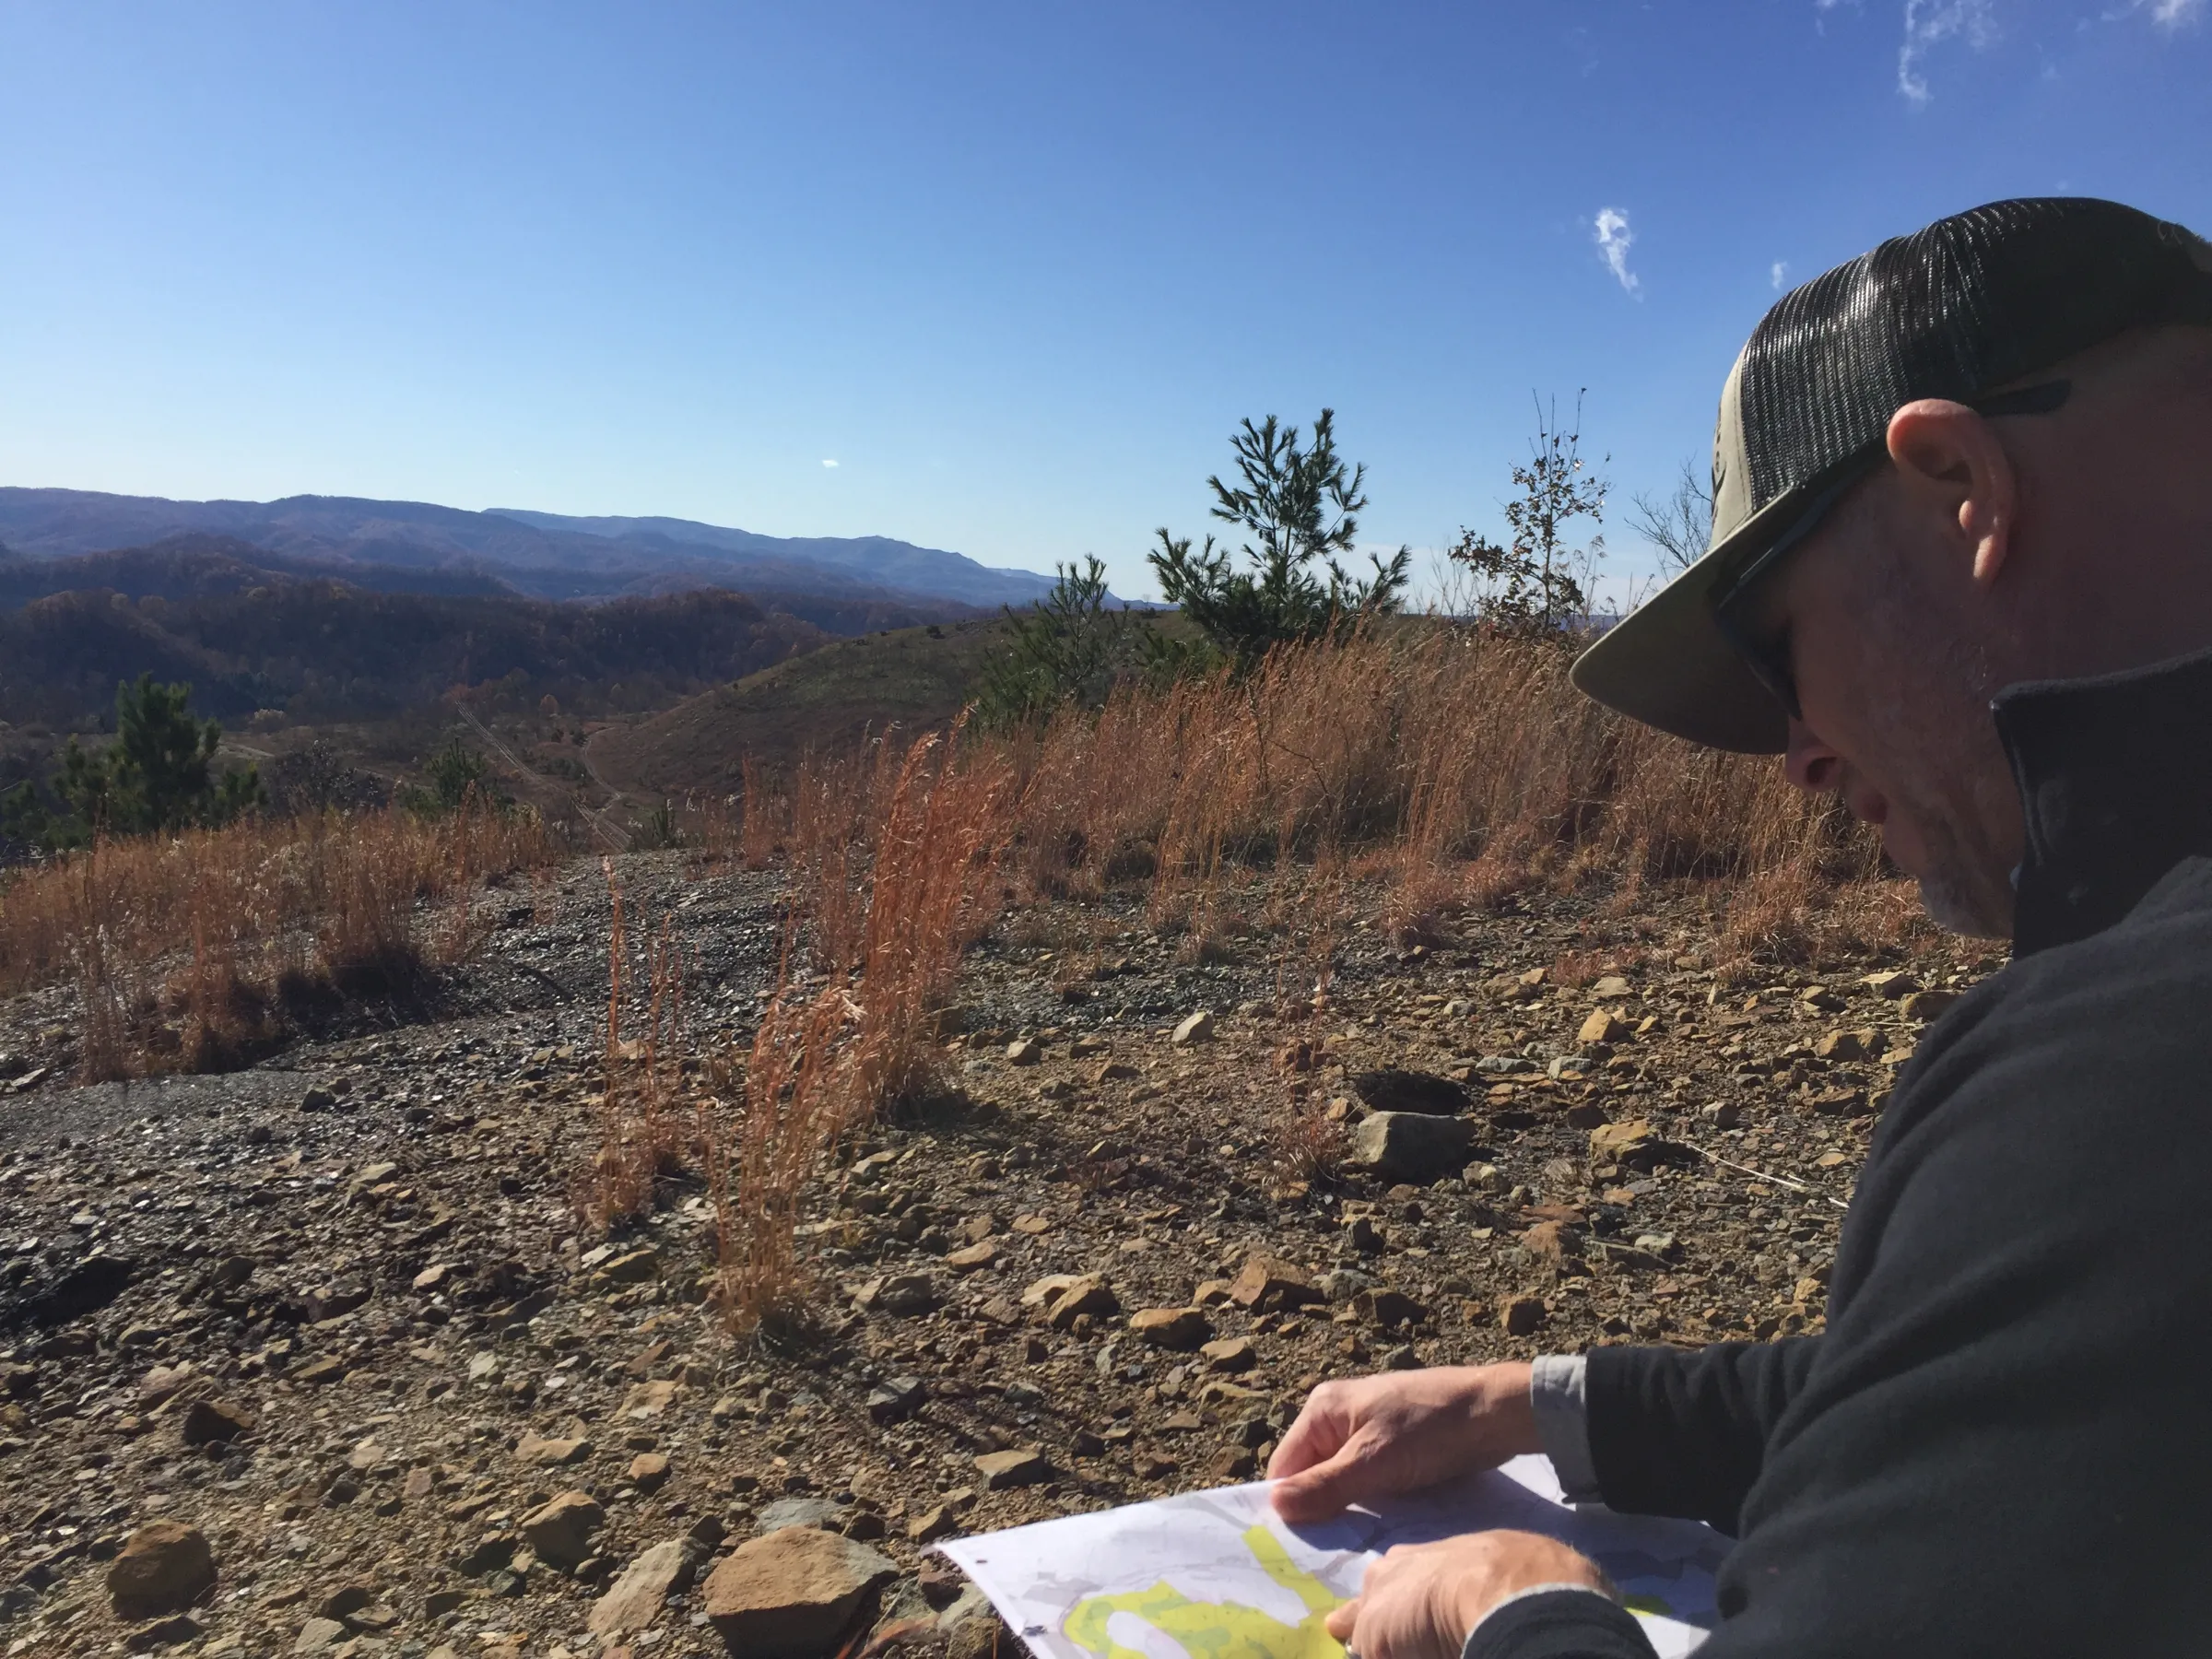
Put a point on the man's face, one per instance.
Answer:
(1895, 691)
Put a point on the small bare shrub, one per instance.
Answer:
(1308, 1146)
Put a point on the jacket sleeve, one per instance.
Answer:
(1999, 1446)
(1558, 1624)
(1676, 1431)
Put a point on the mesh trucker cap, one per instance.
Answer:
(1963, 308)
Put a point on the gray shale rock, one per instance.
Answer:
(1411, 1147)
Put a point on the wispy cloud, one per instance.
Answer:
(1929, 23)
(829, 463)
(1614, 240)
(1777, 274)
(2166, 14)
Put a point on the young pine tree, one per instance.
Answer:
(1299, 505)
(156, 776)
(1072, 646)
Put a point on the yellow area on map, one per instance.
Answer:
(1216, 1630)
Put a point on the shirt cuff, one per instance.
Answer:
(1558, 1621)
(1556, 1386)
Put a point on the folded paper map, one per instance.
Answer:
(1218, 1575)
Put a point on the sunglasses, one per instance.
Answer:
(1769, 657)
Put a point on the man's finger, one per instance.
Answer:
(1317, 1493)
(1340, 1622)
(1315, 1437)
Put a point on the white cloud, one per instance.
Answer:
(1614, 238)
(828, 463)
(2166, 14)
(1778, 273)
(1931, 22)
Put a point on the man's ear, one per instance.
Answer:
(1949, 461)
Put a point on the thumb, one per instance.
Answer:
(1342, 1618)
(1321, 1492)
(1315, 1437)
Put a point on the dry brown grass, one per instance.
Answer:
(195, 952)
(792, 1098)
(894, 859)
(641, 1127)
(1459, 766)
(1451, 769)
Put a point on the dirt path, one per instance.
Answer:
(613, 836)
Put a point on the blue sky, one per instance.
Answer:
(1016, 269)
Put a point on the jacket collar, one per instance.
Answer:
(2115, 780)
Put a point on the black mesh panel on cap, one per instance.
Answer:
(1985, 301)
(1969, 303)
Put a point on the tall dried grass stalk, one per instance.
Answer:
(759, 1160)
(895, 869)
(930, 892)
(641, 1131)
(763, 816)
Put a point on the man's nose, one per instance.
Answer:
(1809, 762)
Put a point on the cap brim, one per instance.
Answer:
(1667, 663)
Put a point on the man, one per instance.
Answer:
(1962, 575)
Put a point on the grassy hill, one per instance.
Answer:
(909, 677)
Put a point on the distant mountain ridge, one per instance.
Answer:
(542, 554)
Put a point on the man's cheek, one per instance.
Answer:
(1902, 841)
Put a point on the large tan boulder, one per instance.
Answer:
(793, 1593)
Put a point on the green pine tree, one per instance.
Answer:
(1072, 646)
(158, 776)
(1299, 507)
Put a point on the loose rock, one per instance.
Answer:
(792, 1593)
(165, 1567)
(1177, 1328)
(637, 1599)
(1267, 1285)
(540, 1453)
(560, 1531)
(1000, 1470)
(1199, 1027)
(1411, 1147)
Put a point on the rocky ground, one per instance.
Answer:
(317, 1357)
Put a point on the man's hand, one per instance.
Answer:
(1378, 1437)
(1420, 1600)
